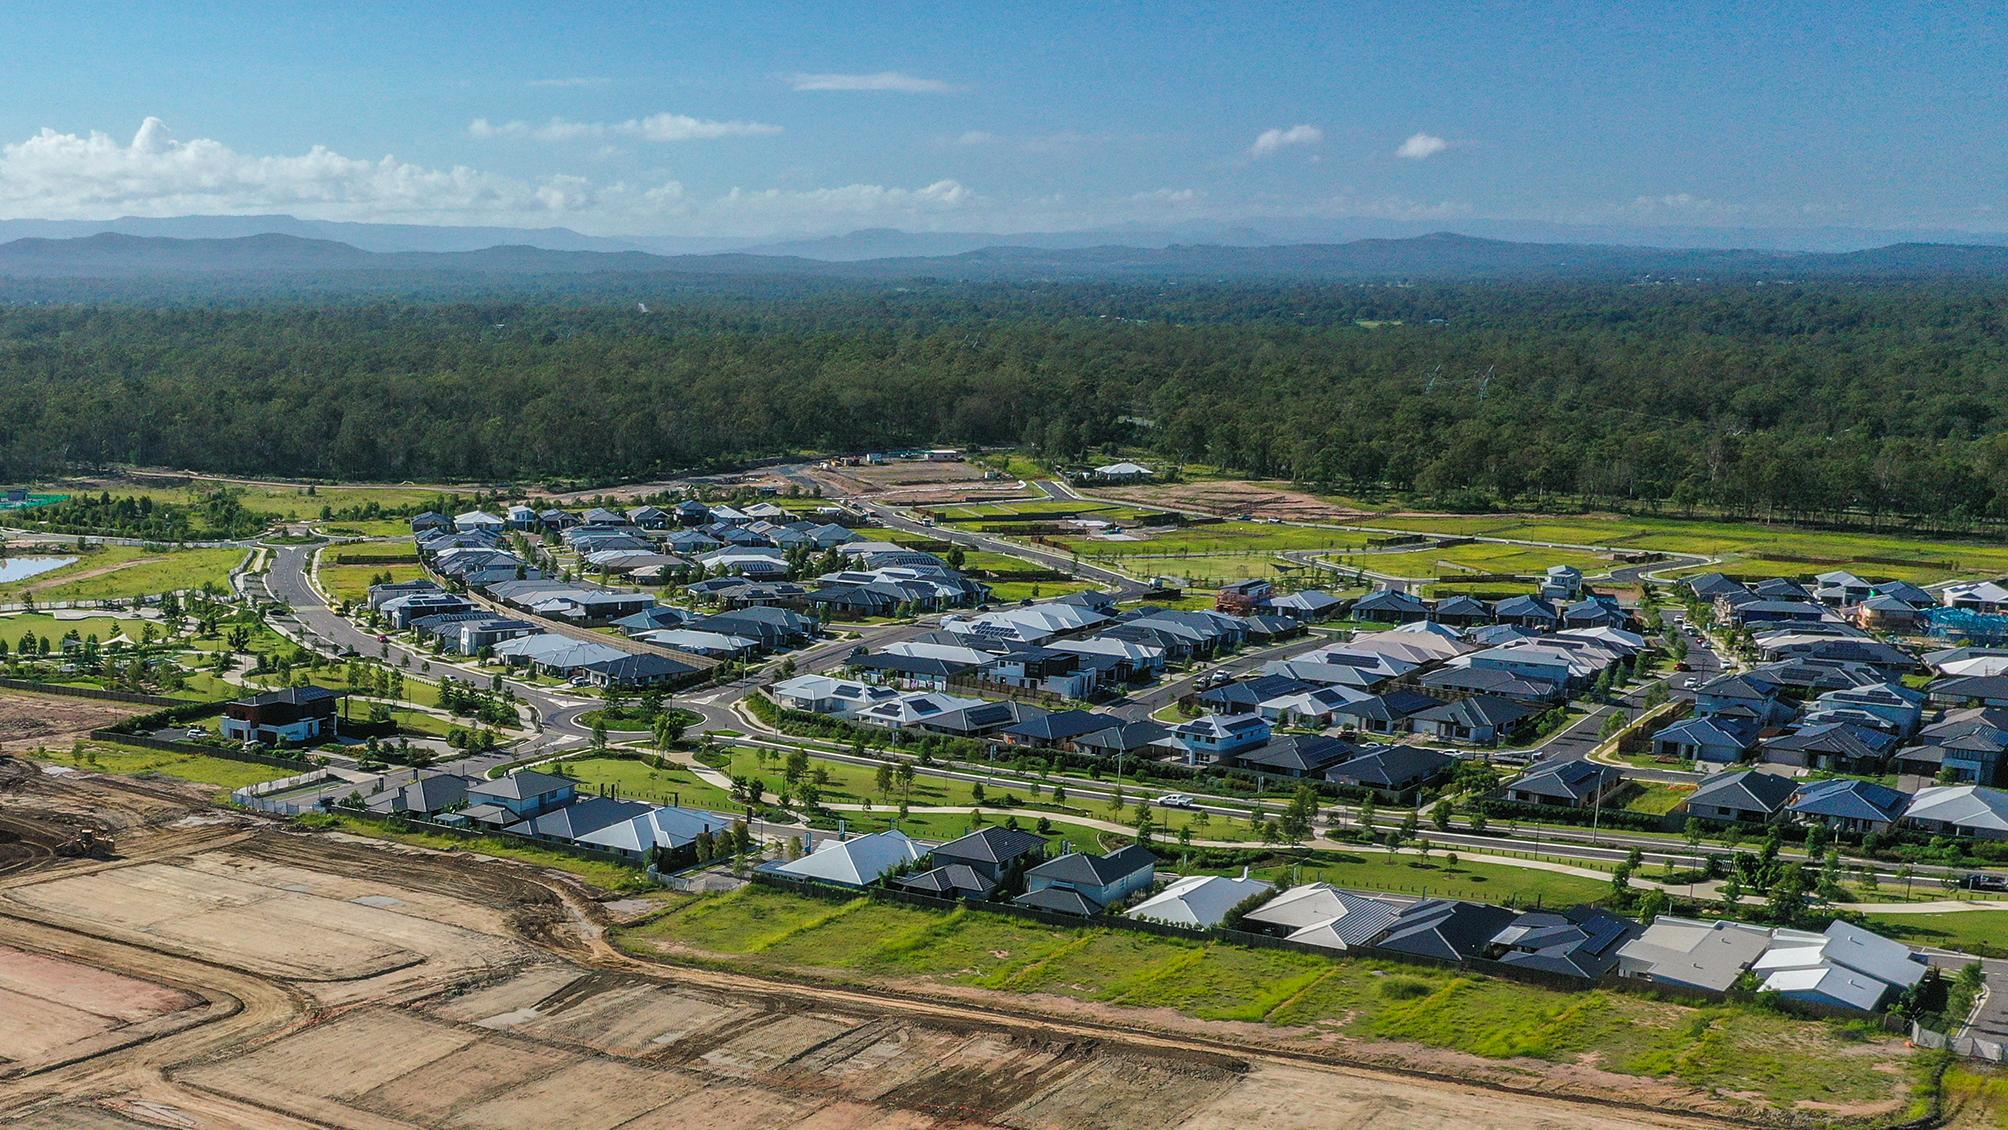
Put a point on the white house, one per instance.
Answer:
(855, 863)
(1199, 902)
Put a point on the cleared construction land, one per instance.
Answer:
(230, 971)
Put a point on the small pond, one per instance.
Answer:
(21, 568)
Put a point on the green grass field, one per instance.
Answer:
(1223, 538)
(222, 772)
(1657, 799)
(352, 582)
(636, 780)
(373, 528)
(1982, 932)
(285, 500)
(1438, 878)
(1770, 1060)
(1758, 547)
(122, 572)
(1452, 562)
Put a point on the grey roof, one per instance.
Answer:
(1580, 942)
(994, 844)
(1086, 869)
(1333, 914)
(582, 817)
(1479, 710)
(949, 881)
(523, 784)
(1300, 753)
(1391, 767)
(1566, 780)
(1849, 799)
(1061, 900)
(1752, 790)
(1446, 929)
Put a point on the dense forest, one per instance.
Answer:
(1804, 400)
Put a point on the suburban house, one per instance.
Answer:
(995, 853)
(1562, 582)
(1384, 713)
(1477, 720)
(1220, 735)
(1530, 612)
(478, 521)
(1848, 805)
(1684, 953)
(1985, 597)
(518, 796)
(674, 830)
(821, 694)
(1320, 914)
(1293, 755)
(571, 823)
(1749, 797)
(1199, 902)
(1390, 606)
(1845, 967)
(644, 670)
(1082, 883)
(1838, 747)
(1579, 942)
(295, 716)
(1566, 784)
(1392, 772)
(1445, 929)
(1719, 740)
(1960, 810)
(857, 862)
(1059, 730)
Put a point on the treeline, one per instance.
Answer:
(1803, 401)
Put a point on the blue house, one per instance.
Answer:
(1218, 734)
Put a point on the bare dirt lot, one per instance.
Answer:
(915, 484)
(324, 981)
(27, 720)
(1233, 499)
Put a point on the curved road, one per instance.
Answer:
(326, 630)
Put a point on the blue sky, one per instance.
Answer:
(742, 119)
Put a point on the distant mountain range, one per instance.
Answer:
(892, 243)
(1440, 256)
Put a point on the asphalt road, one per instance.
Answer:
(326, 630)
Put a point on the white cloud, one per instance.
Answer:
(894, 81)
(1169, 196)
(65, 175)
(1684, 205)
(848, 200)
(566, 83)
(1275, 140)
(54, 175)
(655, 127)
(978, 137)
(1422, 145)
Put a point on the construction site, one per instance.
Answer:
(166, 962)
